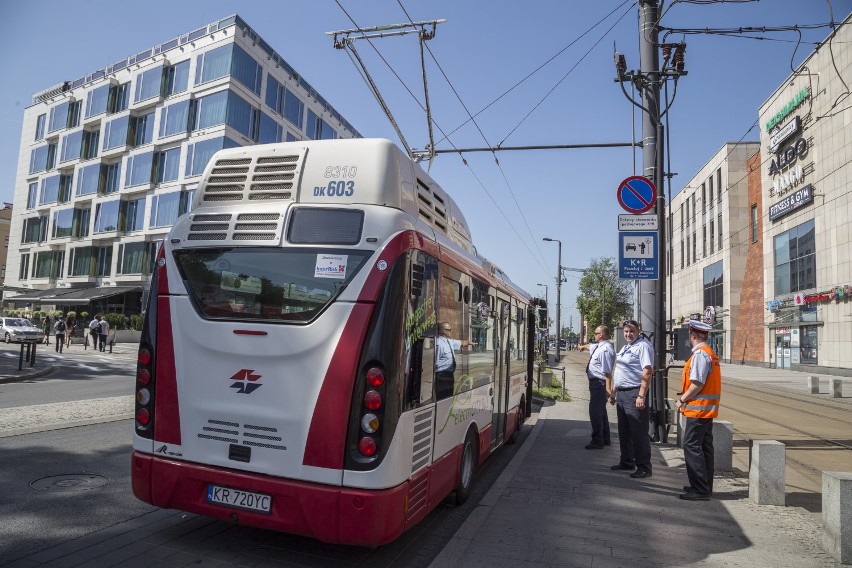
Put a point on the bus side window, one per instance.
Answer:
(419, 329)
(481, 334)
(451, 375)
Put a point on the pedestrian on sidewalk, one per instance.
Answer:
(599, 373)
(59, 329)
(71, 322)
(701, 388)
(103, 330)
(632, 378)
(45, 328)
(95, 330)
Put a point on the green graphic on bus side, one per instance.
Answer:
(418, 323)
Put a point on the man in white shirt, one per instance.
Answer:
(104, 331)
(445, 360)
(599, 373)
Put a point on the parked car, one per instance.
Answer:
(20, 329)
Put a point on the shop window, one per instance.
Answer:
(713, 285)
(795, 259)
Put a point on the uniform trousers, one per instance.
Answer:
(597, 411)
(633, 429)
(698, 454)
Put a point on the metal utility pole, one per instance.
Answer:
(652, 292)
(558, 296)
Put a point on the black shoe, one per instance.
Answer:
(594, 446)
(640, 474)
(688, 489)
(622, 466)
(607, 443)
(692, 496)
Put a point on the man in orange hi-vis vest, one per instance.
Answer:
(699, 403)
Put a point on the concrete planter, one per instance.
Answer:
(125, 336)
(546, 379)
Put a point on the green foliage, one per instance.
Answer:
(136, 322)
(56, 313)
(604, 298)
(72, 314)
(84, 316)
(116, 321)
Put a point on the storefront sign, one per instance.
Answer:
(778, 303)
(786, 156)
(788, 108)
(784, 132)
(794, 337)
(782, 330)
(841, 292)
(787, 181)
(792, 202)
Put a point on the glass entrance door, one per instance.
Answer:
(782, 351)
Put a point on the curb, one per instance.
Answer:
(23, 377)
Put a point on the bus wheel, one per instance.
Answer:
(467, 467)
(520, 422)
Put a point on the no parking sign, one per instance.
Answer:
(637, 194)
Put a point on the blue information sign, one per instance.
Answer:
(637, 194)
(637, 255)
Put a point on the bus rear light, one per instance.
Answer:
(143, 397)
(375, 377)
(143, 377)
(367, 446)
(372, 400)
(370, 423)
(144, 357)
(143, 417)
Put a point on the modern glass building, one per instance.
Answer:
(109, 161)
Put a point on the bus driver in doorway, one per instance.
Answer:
(445, 360)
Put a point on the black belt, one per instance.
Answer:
(621, 389)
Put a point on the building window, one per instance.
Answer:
(285, 102)
(88, 180)
(694, 246)
(48, 264)
(174, 119)
(681, 255)
(682, 218)
(713, 287)
(134, 215)
(808, 342)
(35, 230)
(103, 260)
(82, 217)
(686, 200)
(142, 129)
(62, 116)
(91, 139)
(177, 78)
(167, 164)
(55, 189)
(703, 199)
(120, 97)
(719, 228)
(40, 122)
(318, 129)
(719, 185)
(81, 262)
(795, 259)
(712, 235)
(694, 210)
(270, 131)
(132, 257)
(72, 145)
(226, 107)
(32, 195)
(107, 216)
(63, 221)
(704, 241)
(97, 101)
(166, 208)
(710, 184)
(139, 169)
(43, 158)
(754, 223)
(115, 133)
(150, 84)
(198, 154)
(24, 270)
(111, 174)
(687, 250)
(229, 60)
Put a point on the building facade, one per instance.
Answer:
(708, 221)
(805, 210)
(5, 228)
(109, 161)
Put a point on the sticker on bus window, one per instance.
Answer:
(331, 266)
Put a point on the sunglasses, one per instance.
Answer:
(634, 323)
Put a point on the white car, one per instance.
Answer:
(20, 329)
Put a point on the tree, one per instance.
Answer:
(604, 297)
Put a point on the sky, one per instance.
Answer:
(532, 73)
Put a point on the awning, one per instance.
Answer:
(73, 296)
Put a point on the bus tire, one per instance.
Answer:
(513, 437)
(467, 467)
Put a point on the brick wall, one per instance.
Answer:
(748, 338)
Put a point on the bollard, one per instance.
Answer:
(21, 359)
(766, 475)
(110, 345)
(837, 515)
(835, 386)
(723, 445)
(813, 384)
(32, 356)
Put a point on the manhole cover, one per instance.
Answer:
(69, 482)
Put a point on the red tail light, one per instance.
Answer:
(372, 400)
(375, 377)
(143, 417)
(144, 357)
(367, 446)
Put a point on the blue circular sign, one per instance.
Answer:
(637, 194)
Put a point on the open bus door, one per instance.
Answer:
(501, 371)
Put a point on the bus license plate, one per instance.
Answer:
(240, 499)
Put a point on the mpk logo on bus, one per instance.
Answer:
(245, 381)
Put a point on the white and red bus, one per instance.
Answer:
(287, 373)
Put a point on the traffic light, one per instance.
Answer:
(542, 313)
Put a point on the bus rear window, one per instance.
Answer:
(312, 226)
(266, 284)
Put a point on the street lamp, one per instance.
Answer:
(546, 323)
(558, 295)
